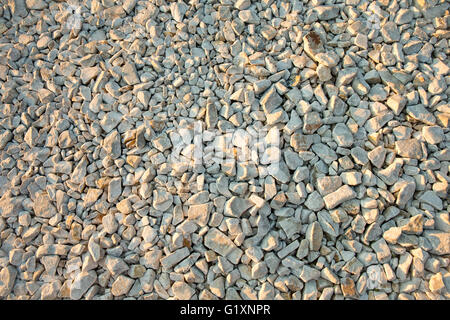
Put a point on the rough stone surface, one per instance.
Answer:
(203, 150)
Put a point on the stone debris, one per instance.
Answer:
(224, 150)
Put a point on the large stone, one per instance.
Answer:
(439, 240)
(314, 236)
(7, 278)
(83, 281)
(410, 148)
(339, 196)
(43, 207)
(236, 206)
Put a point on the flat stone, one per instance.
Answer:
(339, 196)
(236, 206)
(329, 59)
(43, 207)
(114, 189)
(392, 234)
(342, 135)
(419, 113)
(377, 156)
(389, 175)
(83, 281)
(182, 291)
(199, 213)
(121, 286)
(109, 223)
(301, 142)
(328, 184)
(382, 250)
(314, 235)
(110, 121)
(129, 74)
(115, 265)
(327, 224)
(433, 134)
(7, 279)
(162, 200)
(348, 287)
(219, 242)
(407, 189)
(89, 73)
(430, 197)
(409, 148)
(327, 12)
(112, 144)
(11, 206)
(314, 201)
(324, 152)
(390, 32)
(308, 274)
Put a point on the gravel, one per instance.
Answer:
(224, 150)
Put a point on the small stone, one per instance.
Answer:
(314, 236)
(162, 143)
(409, 148)
(433, 134)
(339, 196)
(337, 105)
(327, 12)
(377, 156)
(199, 214)
(43, 207)
(218, 242)
(328, 184)
(110, 121)
(430, 197)
(314, 202)
(162, 200)
(301, 142)
(129, 73)
(217, 287)
(114, 189)
(182, 291)
(308, 274)
(406, 192)
(270, 100)
(89, 73)
(390, 32)
(236, 206)
(259, 270)
(389, 175)
(109, 223)
(436, 283)
(121, 286)
(360, 155)
(329, 59)
(82, 283)
(36, 4)
(324, 73)
(115, 265)
(382, 250)
(342, 135)
(242, 4)
(7, 278)
(418, 112)
(112, 144)
(172, 259)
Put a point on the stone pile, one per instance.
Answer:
(323, 132)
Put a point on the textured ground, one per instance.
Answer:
(224, 149)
